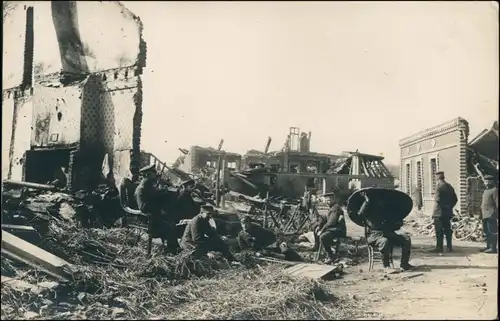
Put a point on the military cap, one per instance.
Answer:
(148, 169)
(208, 208)
(488, 178)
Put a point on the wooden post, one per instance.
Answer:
(217, 181)
(265, 212)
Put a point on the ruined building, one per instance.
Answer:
(446, 148)
(72, 97)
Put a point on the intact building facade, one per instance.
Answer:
(439, 148)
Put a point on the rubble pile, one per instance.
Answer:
(121, 295)
(111, 277)
(465, 228)
(97, 208)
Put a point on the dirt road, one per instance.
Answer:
(457, 285)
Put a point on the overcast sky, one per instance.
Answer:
(358, 75)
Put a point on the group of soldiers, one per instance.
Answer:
(383, 234)
(446, 198)
(199, 237)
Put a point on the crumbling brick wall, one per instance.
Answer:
(109, 121)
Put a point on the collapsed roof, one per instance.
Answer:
(483, 152)
(369, 165)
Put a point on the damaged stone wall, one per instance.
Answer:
(70, 28)
(7, 121)
(21, 137)
(57, 113)
(90, 96)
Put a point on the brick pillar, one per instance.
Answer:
(462, 194)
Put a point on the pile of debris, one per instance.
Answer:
(465, 228)
(104, 273)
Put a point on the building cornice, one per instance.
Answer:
(449, 126)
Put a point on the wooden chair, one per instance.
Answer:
(336, 242)
(375, 255)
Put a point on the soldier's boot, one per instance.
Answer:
(439, 244)
(487, 245)
(150, 244)
(405, 258)
(493, 245)
(388, 269)
(316, 242)
(449, 240)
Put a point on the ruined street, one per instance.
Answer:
(461, 285)
(250, 160)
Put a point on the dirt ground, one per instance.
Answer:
(458, 285)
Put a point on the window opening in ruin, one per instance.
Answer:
(294, 168)
(408, 178)
(231, 165)
(44, 166)
(311, 183)
(433, 171)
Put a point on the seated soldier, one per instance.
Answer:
(334, 227)
(253, 236)
(382, 234)
(201, 238)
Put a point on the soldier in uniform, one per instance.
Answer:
(254, 236)
(381, 233)
(445, 199)
(201, 238)
(148, 201)
(333, 227)
(489, 211)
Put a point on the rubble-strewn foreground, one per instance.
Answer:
(114, 279)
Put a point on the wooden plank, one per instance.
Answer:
(22, 251)
(309, 270)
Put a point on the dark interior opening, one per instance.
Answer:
(42, 166)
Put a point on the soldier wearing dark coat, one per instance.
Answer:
(333, 227)
(201, 238)
(489, 211)
(148, 199)
(253, 236)
(445, 199)
(381, 233)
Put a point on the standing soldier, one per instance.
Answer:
(148, 201)
(489, 209)
(445, 199)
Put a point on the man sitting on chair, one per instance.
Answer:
(334, 227)
(382, 235)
